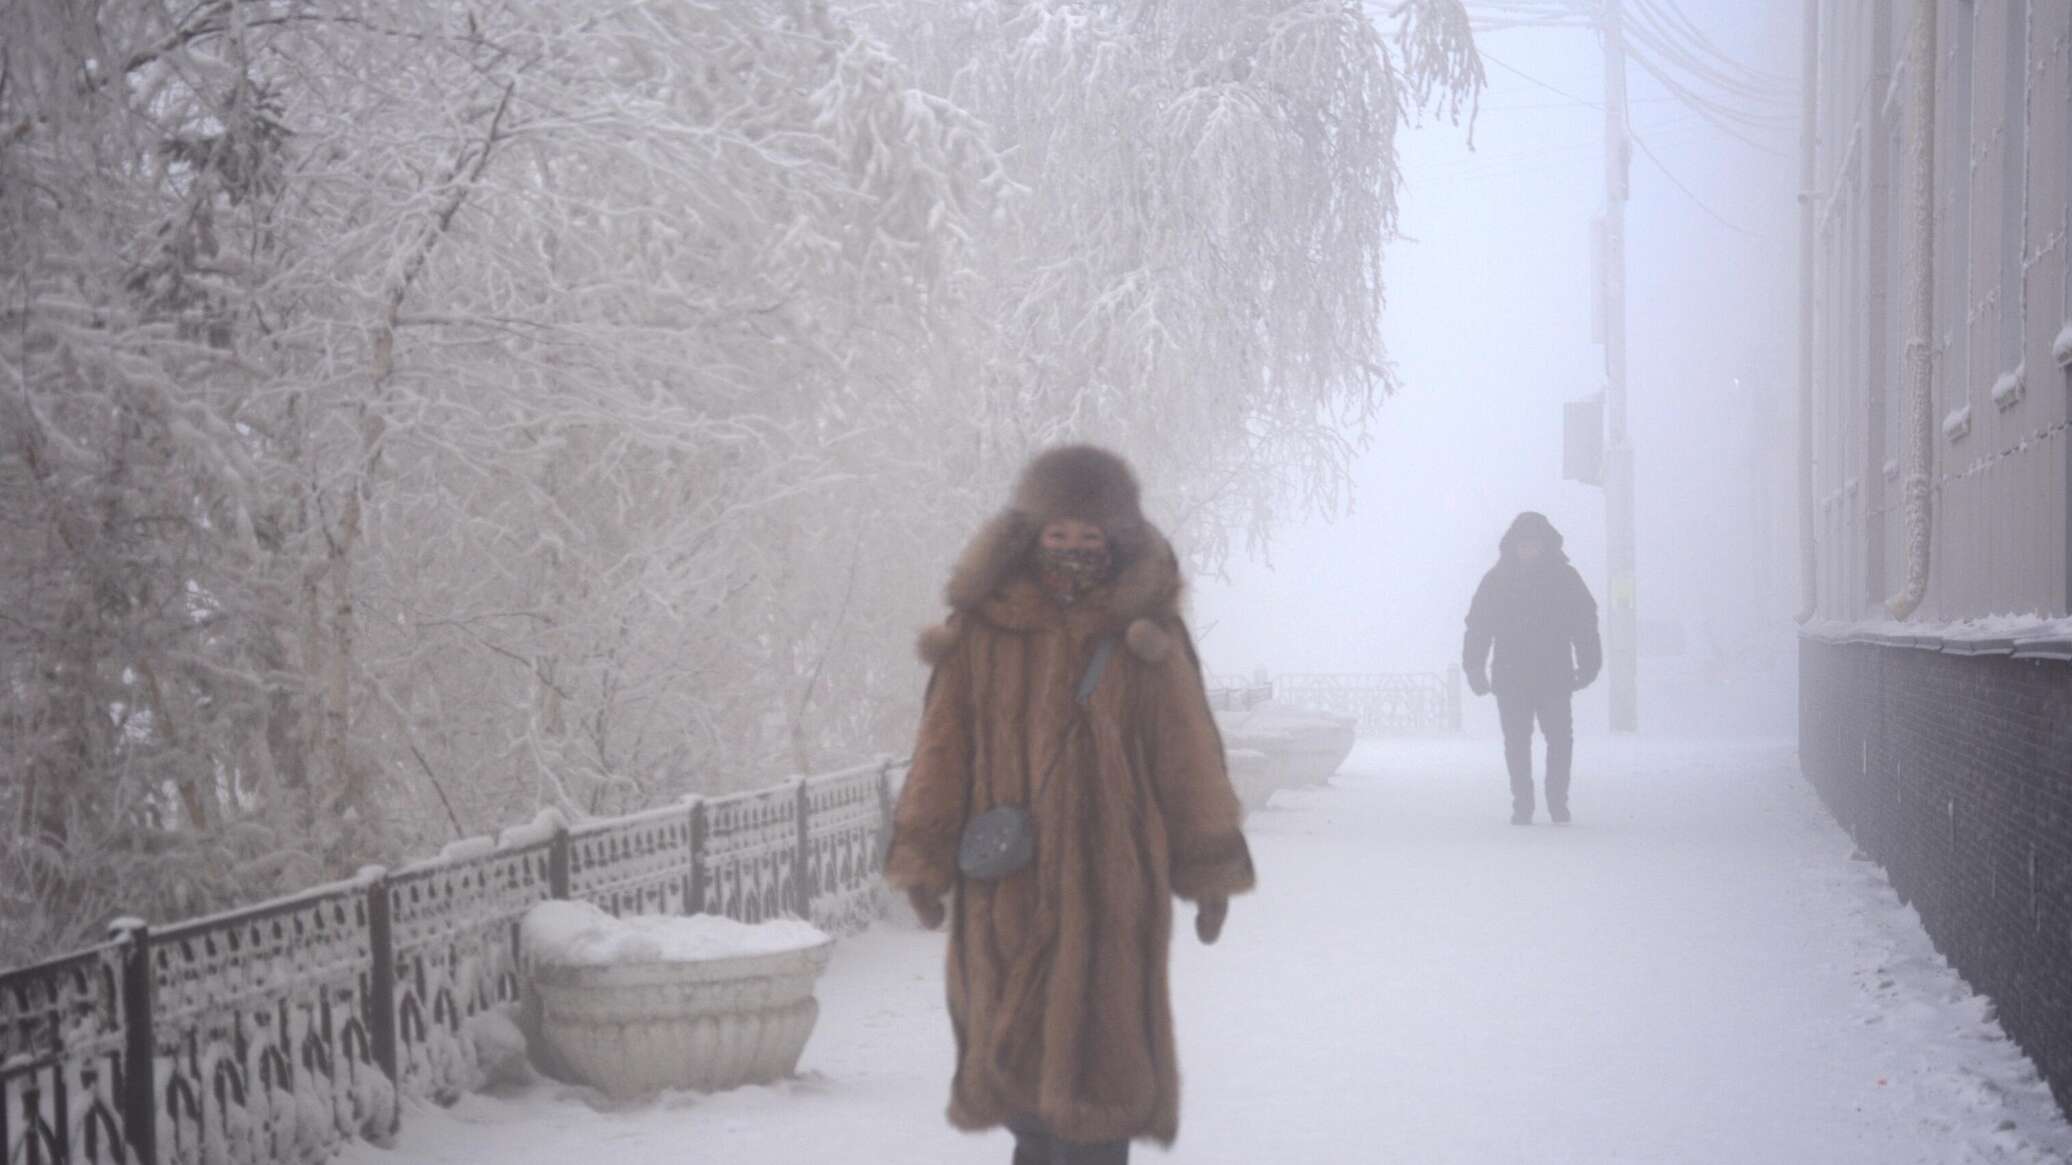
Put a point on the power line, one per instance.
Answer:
(1558, 92)
(1487, 159)
(1734, 124)
(1691, 29)
(1551, 161)
(1534, 105)
(1503, 15)
(1702, 108)
(1751, 99)
(1687, 192)
(1674, 51)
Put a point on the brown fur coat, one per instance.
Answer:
(1057, 974)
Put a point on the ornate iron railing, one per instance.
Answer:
(64, 1044)
(1234, 695)
(275, 1032)
(1385, 705)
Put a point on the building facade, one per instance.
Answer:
(2002, 303)
(2002, 293)
(1944, 743)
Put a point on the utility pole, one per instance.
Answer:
(1622, 622)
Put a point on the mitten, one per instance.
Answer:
(927, 907)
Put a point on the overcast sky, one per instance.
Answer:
(1489, 323)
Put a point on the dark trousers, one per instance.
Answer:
(1033, 1146)
(1551, 705)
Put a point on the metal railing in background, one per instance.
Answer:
(274, 1032)
(1229, 694)
(1384, 704)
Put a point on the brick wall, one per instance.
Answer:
(1954, 771)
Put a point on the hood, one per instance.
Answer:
(1532, 524)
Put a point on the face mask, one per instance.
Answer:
(1071, 573)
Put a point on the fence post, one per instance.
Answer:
(885, 812)
(803, 868)
(694, 882)
(557, 860)
(139, 1045)
(381, 989)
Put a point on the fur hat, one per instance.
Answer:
(1088, 483)
(1092, 485)
(1068, 481)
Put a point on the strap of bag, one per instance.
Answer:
(1092, 679)
(1082, 698)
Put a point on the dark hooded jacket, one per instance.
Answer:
(1539, 616)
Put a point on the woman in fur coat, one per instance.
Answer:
(1057, 972)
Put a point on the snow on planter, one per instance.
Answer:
(1252, 775)
(1294, 747)
(634, 1006)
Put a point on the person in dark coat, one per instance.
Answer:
(1535, 609)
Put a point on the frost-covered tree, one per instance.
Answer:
(1192, 268)
(412, 414)
(634, 351)
(134, 610)
(400, 397)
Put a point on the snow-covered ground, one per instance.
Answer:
(1696, 972)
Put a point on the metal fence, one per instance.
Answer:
(1230, 695)
(275, 1032)
(1385, 705)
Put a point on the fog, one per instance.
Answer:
(1489, 324)
(580, 574)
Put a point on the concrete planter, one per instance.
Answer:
(653, 1019)
(1252, 775)
(1272, 747)
(1312, 756)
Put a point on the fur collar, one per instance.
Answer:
(989, 584)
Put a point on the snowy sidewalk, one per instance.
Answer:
(1697, 972)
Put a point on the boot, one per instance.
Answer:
(1110, 1153)
(1032, 1146)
